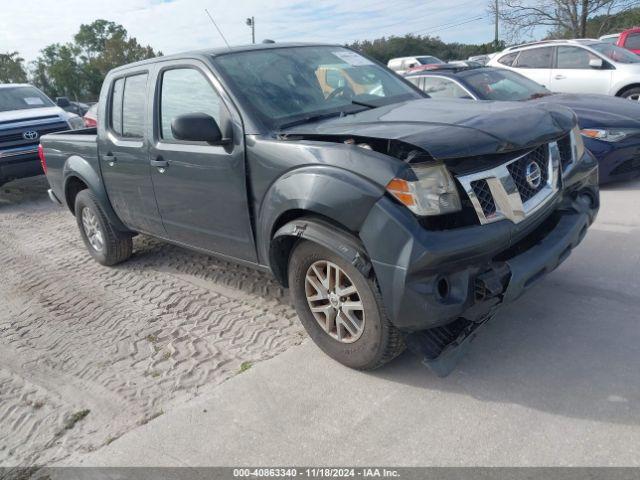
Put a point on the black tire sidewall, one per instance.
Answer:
(85, 199)
(630, 92)
(366, 352)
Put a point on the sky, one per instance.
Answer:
(173, 26)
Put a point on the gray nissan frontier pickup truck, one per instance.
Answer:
(394, 219)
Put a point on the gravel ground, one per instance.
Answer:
(88, 352)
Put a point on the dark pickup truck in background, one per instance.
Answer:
(25, 115)
(395, 220)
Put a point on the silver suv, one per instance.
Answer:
(576, 66)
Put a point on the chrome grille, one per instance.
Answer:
(518, 170)
(482, 191)
(516, 188)
(13, 137)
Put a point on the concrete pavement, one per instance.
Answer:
(554, 380)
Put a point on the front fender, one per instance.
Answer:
(78, 167)
(337, 194)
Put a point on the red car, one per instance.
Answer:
(91, 117)
(630, 39)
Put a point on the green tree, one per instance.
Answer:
(385, 48)
(12, 68)
(568, 18)
(77, 69)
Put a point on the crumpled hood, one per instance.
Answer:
(453, 128)
(17, 115)
(598, 110)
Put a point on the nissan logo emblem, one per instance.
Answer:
(30, 135)
(533, 174)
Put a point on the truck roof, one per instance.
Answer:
(224, 50)
(9, 85)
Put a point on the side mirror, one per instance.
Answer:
(596, 63)
(197, 127)
(63, 102)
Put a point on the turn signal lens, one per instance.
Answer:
(433, 193)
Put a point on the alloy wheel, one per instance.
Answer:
(334, 301)
(92, 229)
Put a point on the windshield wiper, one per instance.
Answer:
(363, 104)
(538, 95)
(322, 116)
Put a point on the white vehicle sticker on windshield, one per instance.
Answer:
(352, 58)
(33, 101)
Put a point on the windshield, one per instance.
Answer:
(615, 53)
(503, 85)
(285, 85)
(22, 98)
(429, 60)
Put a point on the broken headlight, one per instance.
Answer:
(433, 192)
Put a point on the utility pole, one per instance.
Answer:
(496, 38)
(251, 22)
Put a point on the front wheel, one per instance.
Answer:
(341, 309)
(105, 244)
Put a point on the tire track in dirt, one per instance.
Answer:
(126, 343)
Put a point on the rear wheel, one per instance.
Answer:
(341, 309)
(632, 94)
(105, 244)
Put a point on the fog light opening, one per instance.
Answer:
(586, 199)
(443, 288)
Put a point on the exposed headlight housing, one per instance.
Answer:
(433, 193)
(609, 134)
(75, 122)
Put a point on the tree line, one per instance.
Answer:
(76, 69)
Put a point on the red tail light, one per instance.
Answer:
(90, 122)
(43, 160)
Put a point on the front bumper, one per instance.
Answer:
(19, 163)
(432, 278)
(618, 160)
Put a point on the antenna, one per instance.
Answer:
(217, 28)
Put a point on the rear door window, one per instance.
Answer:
(534, 58)
(133, 106)
(116, 106)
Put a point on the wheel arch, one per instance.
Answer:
(627, 87)
(318, 229)
(79, 174)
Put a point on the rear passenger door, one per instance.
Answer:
(201, 189)
(535, 63)
(572, 73)
(124, 153)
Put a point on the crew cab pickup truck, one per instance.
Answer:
(25, 114)
(395, 220)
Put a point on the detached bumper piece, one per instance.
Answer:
(441, 348)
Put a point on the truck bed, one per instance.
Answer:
(61, 148)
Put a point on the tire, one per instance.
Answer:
(114, 247)
(377, 341)
(631, 94)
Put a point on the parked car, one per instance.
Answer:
(610, 126)
(630, 39)
(610, 38)
(393, 219)
(576, 66)
(79, 108)
(403, 64)
(91, 117)
(26, 114)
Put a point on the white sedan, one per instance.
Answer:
(576, 66)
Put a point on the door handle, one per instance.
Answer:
(110, 159)
(160, 164)
(560, 77)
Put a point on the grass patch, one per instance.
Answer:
(75, 418)
(244, 366)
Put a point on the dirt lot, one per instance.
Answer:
(89, 352)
